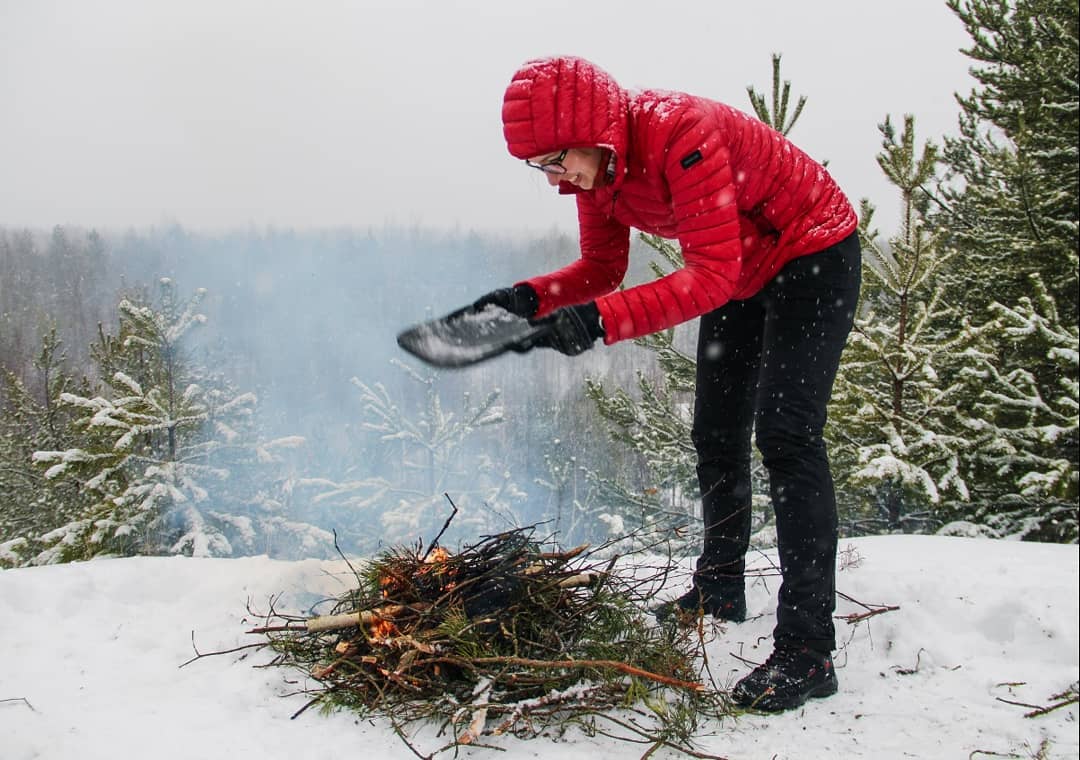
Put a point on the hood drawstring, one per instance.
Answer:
(609, 161)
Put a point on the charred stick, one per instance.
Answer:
(313, 701)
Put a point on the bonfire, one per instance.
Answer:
(507, 636)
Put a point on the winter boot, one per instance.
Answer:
(788, 678)
(695, 603)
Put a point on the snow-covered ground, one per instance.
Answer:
(90, 656)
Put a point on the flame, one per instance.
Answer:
(435, 563)
(438, 554)
(385, 582)
(383, 629)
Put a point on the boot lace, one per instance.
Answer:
(785, 659)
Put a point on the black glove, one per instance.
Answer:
(573, 329)
(520, 300)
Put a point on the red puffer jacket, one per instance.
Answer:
(740, 199)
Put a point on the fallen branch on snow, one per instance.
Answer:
(871, 610)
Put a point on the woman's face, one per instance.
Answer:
(582, 166)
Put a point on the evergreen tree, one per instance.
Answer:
(1011, 204)
(158, 448)
(1028, 485)
(653, 423)
(592, 493)
(1013, 195)
(776, 117)
(32, 504)
(396, 490)
(897, 405)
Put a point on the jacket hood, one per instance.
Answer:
(564, 102)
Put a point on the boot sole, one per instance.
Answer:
(826, 690)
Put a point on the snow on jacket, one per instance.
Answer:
(740, 199)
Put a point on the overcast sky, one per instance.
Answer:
(228, 113)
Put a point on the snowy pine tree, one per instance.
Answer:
(777, 116)
(1029, 419)
(396, 491)
(897, 435)
(158, 447)
(1012, 199)
(31, 503)
(1011, 203)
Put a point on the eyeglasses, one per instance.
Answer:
(554, 166)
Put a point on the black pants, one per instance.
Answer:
(767, 364)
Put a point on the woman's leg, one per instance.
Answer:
(809, 310)
(728, 359)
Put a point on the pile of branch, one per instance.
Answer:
(500, 637)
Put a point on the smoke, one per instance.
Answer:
(305, 320)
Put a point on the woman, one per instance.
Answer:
(772, 268)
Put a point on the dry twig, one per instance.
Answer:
(871, 610)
